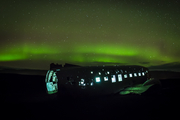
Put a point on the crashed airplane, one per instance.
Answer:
(73, 80)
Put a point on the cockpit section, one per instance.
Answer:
(51, 81)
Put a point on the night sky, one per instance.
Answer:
(34, 34)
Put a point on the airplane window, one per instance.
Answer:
(99, 73)
(91, 83)
(139, 74)
(113, 78)
(125, 76)
(130, 75)
(135, 74)
(106, 78)
(107, 72)
(143, 73)
(98, 79)
(119, 77)
(91, 72)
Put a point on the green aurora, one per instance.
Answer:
(89, 32)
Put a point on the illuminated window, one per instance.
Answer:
(54, 77)
(106, 78)
(139, 74)
(119, 77)
(91, 72)
(91, 84)
(143, 74)
(98, 79)
(130, 75)
(113, 78)
(146, 71)
(99, 73)
(135, 74)
(125, 76)
(108, 72)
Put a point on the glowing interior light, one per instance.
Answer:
(54, 77)
(146, 71)
(143, 73)
(119, 77)
(91, 72)
(107, 72)
(135, 74)
(99, 73)
(57, 69)
(139, 74)
(81, 83)
(98, 79)
(50, 86)
(91, 83)
(130, 75)
(106, 78)
(113, 78)
(125, 76)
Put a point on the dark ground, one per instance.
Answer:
(24, 97)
